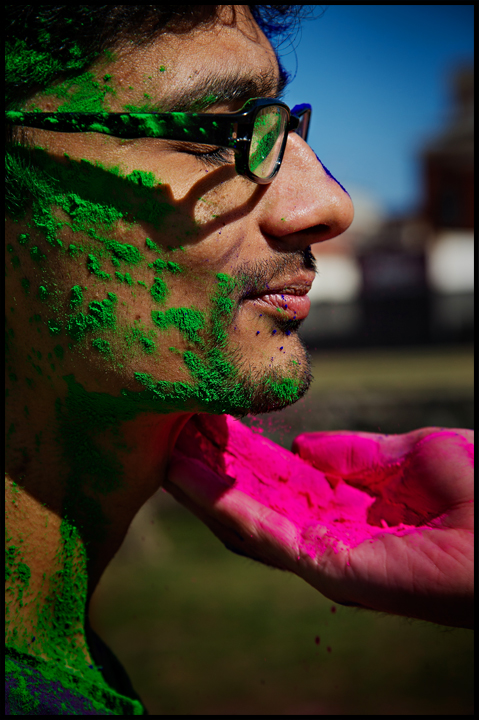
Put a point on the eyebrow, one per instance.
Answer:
(219, 88)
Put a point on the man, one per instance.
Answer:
(150, 276)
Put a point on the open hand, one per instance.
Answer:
(380, 522)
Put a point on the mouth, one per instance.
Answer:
(288, 300)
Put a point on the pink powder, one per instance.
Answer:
(329, 512)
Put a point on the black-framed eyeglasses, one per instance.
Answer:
(257, 133)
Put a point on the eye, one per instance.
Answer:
(215, 158)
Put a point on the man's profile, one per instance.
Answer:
(149, 277)
(161, 201)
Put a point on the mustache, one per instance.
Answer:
(257, 276)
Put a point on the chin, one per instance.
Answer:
(274, 386)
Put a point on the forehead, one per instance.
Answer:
(174, 62)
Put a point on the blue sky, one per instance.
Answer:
(377, 78)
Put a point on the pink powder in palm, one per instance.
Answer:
(338, 514)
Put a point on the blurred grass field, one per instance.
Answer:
(203, 631)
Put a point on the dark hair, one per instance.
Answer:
(46, 42)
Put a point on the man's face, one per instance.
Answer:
(149, 260)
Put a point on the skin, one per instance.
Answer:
(387, 524)
(222, 222)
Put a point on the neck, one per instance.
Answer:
(69, 503)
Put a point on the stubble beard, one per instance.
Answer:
(260, 381)
(273, 384)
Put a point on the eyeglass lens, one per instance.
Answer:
(267, 140)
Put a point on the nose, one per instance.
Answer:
(304, 204)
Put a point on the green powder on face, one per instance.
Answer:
(137, 336)
(81, 94)
(222, 306)
(147, 345)
(94, 267)
(101, 314)
(103, 346)
(152, 245)
(36, 254)
(43, 293)
(173, 267)
(54, 326)
(188, 320)
(158, 265)
(122, 251)
(145, 179)
(159, 290)
(25, 283)
(92, 200)
(76, 296)
(95, 199)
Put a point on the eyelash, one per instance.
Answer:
(215, 158)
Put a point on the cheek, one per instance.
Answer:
(103, 267)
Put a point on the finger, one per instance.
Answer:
(239, 520)
(256, 465)
(231, 539)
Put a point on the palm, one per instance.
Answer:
(380, 522)
(411, 552)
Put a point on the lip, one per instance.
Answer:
(288, 298)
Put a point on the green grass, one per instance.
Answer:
(398, 368)
(202, 631)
